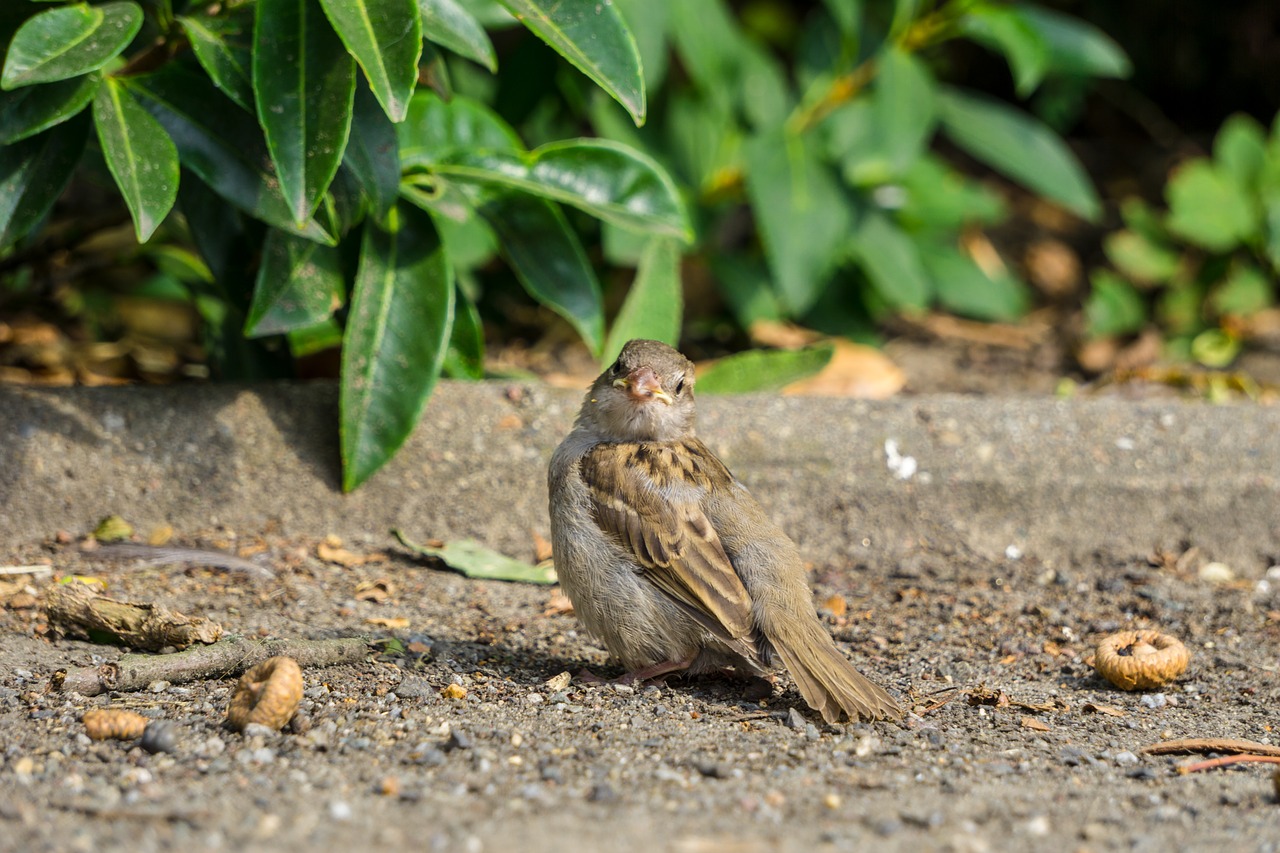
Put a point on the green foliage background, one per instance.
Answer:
(311, 172)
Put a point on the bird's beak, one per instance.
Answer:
(642, 384)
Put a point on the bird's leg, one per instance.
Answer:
(652, 672)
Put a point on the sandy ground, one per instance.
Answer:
(976, 590)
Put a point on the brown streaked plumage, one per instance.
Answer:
(669, 560)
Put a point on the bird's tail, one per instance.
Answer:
(827, 681)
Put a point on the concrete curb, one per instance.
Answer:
(1057, 481)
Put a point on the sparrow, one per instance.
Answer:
(668, 559)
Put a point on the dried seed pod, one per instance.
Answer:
(114, 723)
(267, 694)
(1141, 660)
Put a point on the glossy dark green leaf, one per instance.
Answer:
(1075, 46)
(1019, 146)
(435, 130)
(964, 288)
(385, 37)
(649, 21)
(32, 109)
(756, 371)
(595, 39)
(548, 258)
(1003, 29)
(1114, 307)
(396, 339)
(141, 156)
(299, 285)
(33, 174)
(803, 217)
(1208, 207)
(608, 180)
(904, 109)
(68, 41)
(655, 303)
(373, 152)
(465, 359)
(304, 83)
(219, 142)
(223, 46)
(450, 25)
(891, 260)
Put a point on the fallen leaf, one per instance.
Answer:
(1095, 708)
(474, 560)
(983, 695)
(331, 551)
(160, 535)
(775, 333)
(558, 604)
(376, 591)
(1034, 724)
(559, 682)
(391, 623)
(541, 547)
(855, 370)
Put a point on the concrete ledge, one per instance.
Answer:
(1058, 481)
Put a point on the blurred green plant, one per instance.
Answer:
(347, 169)
(1211, 260)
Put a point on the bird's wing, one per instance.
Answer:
(649, 498)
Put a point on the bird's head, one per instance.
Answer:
(646, 395)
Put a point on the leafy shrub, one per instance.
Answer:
(1208, 261)
(346, 169)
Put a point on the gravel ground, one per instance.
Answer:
(386, 759)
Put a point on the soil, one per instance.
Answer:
(1013, 743)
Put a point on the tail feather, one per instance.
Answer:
(827, 681)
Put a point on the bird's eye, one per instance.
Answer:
(617, 367)
(680, 386)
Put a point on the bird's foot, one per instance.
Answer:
(654, 672)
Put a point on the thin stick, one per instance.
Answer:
(1223, 761)
(222, 659)
(1210, 744)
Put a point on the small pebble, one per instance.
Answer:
(160, 736)
(458, 739)
(796, 720)
(1125, 758)
(340, 810)
(427, 755)
(253, 730)
(1153, 700)
(601, 792)
(158, 686)
(1219, 573)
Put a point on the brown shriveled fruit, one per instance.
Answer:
(114, 724)
(267, 694)
(1141, 660)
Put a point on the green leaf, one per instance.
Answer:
(141, 156)
(1075, 47)
(299, 285)
(220, 143)
(803, 217)
(648, 21)
(654, 303)
(891, 260)
(450, 25)
(938, 197)
(595, 39)
(1142, 260)
(224, 48)
(435, 130)
(1020, 147)
(473, 560)
(69, 41)
(304, 83)
(964, 288)
(1240, 149)
(547, 257)
(904, 107)
(1208, 207)
(745, 285)
(33, 109)
(1114, 307)
(1246, 291)
(34, 172)
(396, 338)
(373, 152)
(1005, 29)
(385, 37)
(608, 180)
(762, 370)
(465, 358)
(1215, 348)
